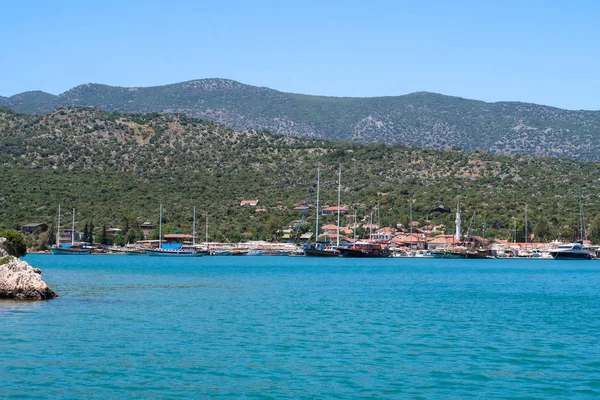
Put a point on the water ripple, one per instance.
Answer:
(300, 328)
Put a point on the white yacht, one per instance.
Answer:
(570, 251)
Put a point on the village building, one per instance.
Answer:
(147, 228)
(113, 231)
(33, 228)
(440, 241)
(383, 235)
(334, 210)
(415, 241)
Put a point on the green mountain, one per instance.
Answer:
(425, 120)
(116, 169)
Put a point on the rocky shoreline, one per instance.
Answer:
(20, 281)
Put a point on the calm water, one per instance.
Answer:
(284, 327)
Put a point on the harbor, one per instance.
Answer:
(334, 240)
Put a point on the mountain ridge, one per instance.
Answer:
(422, 119)
(419, 92)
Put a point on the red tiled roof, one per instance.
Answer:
(178, 236)
(441, 239)
(329, 227)
(407, 239)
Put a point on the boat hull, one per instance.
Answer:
(173, 253)
(71, 252)
(321, 253)
(357, 253)
(135, 253)
(570, 256)
(461, 254)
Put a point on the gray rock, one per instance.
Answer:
(20, 281)
(3, 252)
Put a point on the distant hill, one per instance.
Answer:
(116, 169)
(426, 120)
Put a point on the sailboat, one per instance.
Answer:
(319, 250)
(465, 247)
(573, 251)
(64, 249)
(174, 249)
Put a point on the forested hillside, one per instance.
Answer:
(116, 169)
(425, 120)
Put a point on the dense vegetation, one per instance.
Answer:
(116, 169)
(15, 243)
(426, 120)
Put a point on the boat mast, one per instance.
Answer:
(194, 229)
(58, 229)
(483, 232)
(317, 210)
(514, 230)
(526, 228)
(411, 224)
(73, 230)
(355, 224)
(160, 227)
(378, 219)
(206, 237)
(580, 218)
(338, 207)
(474, 223)
(371, 224)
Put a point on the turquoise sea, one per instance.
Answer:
(295, 327)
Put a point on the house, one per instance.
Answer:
(414, 241)
(440, 241)
(249, 203)
(334, 210)
(382, 235)
(329, 228)
(261, 209)
(441, 209)
(33, 228)
(68, 235)
(301, 208)
(370, 227)
(147, 228)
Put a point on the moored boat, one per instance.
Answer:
(135, 252)
(364, 250)
(172, 251)
(175, 249)
(66, 249)
(570, 251)
(70, 250)
(456, 252)
(320, 251)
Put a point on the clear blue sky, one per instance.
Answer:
(537, 51)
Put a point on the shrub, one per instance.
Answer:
(5, 260)
(15, 243)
